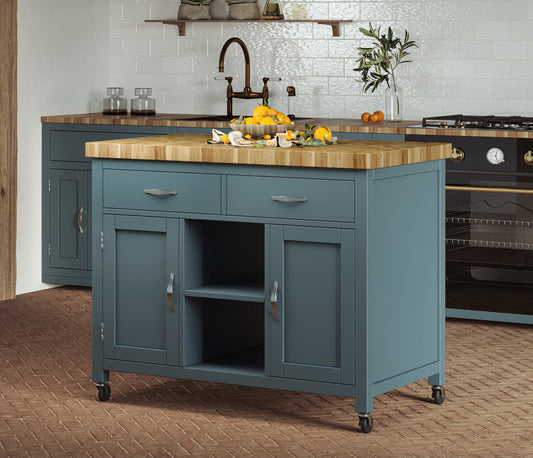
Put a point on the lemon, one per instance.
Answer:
(323, 133)
(268, 121)
(224, 138)
(260, 110)
(249, 120)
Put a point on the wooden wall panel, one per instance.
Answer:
(8, 147)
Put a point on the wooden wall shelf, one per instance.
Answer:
(180, 23)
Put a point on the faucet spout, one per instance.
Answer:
(246, 59)
(247, 92)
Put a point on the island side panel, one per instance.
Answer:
(405, 275)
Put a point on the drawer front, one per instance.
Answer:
(295, 198)
(70, 145)
(162, 191)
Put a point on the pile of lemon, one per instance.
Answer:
(265, 116)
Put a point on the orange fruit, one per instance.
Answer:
(365, 116)
(380, 115)
(374, 118)
(323, 133)
(272, 112)
(260, 110)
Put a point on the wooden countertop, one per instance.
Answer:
(346, 154)
(335, 124)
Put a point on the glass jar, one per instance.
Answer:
(272, 10)
(115, 104)
(143, 105)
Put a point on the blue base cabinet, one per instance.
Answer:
(319, 280)
(66, 195)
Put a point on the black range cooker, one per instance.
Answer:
(489, 217)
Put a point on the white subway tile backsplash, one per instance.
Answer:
(474, 56)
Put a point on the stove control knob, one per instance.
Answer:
(457, 155)
(495, 156)
(528, 158)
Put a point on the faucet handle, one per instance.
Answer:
(271, 78)
(222, 78)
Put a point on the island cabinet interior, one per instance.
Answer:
(310, 279)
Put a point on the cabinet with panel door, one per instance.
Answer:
(281, 277)
(66, 196)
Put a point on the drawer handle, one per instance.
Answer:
(80, 220)
(170, 291)
(160, 192)
(288, 199)
(274, 300)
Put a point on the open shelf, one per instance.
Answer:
(249, 291)
(180, 23)
(249, 362)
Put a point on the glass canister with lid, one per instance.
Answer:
(143, 105)
(115, 104)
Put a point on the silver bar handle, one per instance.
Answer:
(160, 192)
(288, 199)
(80, 220)
(274, 300)
(170, 291)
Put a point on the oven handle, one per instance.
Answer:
(477, 188)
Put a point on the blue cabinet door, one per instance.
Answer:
(69, 219)
(313, 336)
(140, 289)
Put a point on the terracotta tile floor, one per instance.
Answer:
(48, 404)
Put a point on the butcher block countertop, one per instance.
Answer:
(346, 154)
(335, 124)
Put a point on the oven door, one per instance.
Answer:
(489, 247)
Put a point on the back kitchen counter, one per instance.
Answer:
(317, 269)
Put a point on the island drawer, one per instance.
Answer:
(162, 191)
(294, 198)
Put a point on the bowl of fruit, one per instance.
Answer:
(264, 121)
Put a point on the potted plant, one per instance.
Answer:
(377, 64)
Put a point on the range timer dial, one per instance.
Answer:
(495, 156)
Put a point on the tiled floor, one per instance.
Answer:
(48, 404)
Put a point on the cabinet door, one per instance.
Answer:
(313, 336)
(69, 198)
(140, 299)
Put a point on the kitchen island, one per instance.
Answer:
(317, 269)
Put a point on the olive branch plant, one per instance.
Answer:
(377, 63)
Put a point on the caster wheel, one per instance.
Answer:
(104, 392)
(366, 423)
(438, 394)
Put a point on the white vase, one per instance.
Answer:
(393, 103)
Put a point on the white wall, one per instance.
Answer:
(475, 56)
(62, 68)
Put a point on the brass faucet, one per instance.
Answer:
(247, 92)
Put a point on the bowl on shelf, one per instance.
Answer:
(258, 130)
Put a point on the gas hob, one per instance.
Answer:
(459, 121)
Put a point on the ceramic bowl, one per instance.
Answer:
(257, 131)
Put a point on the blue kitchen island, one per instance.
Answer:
(317, 269)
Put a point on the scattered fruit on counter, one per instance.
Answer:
(323, 133)
(263, 115)
(377, 116)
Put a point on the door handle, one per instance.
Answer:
(274, 300)
(170, 291)
(160, 192)
(80, 220)
(288, 199)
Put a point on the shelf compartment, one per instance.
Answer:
(216, 329)
(180, 23)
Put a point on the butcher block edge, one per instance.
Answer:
(346, 154)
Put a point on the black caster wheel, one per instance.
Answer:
(104, 392)
(366, 422)
(438, 394)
